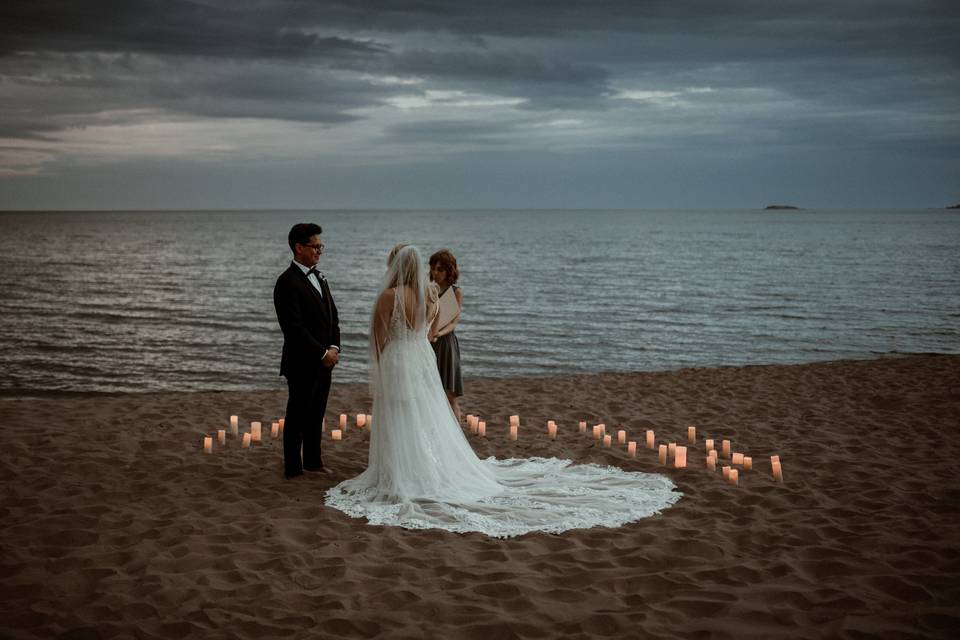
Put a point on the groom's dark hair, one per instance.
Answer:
(302, 232)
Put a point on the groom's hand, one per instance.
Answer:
(330, 358)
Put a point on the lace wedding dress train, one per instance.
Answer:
(423, 474)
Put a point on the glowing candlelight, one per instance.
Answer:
(603, 428)
(234, 425)
(255, 431)
(747, 463)
(596, 432)
(552, 430)
(482, 429)
(672, 450)
(649, 439)
(632, 449)
(662, 454)
(336, 434)
(583, 426)
(734, 477)
(621, 436)
(246, 441)
(515, 420)
(283, 420)
(725, 448)
(726, 473)
(777, 472)
(712, 463)
(275, 430)
(207, 444)
(774, 459)
(513, 432)
(607, 441)
(361, 420)
(737, 458)
(680, 458)
(343, 421)
(691, 434)
(710, 444)
(471, 424)
(222, 436)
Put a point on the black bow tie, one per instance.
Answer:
(316, 273)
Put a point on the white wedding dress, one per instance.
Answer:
(423, 474)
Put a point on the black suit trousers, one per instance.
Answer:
(306, 406)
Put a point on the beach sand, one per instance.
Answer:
(115, 524)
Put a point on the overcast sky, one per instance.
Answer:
(315, 104)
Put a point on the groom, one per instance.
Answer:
(311, 348)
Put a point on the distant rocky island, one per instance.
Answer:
(954, 206)
(781, 207)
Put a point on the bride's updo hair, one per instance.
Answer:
(394, 251)
(404, 265)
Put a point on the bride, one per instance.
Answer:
(421, 470)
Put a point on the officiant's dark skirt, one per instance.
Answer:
(447, 349)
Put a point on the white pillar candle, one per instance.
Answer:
(596, 432)
(734, 477)
(513, 431)
(711, 463)
(774, 459)
(603, 429)
(222, 436)
(515, 420)
(662, 454)
(649, 439)
(207, 444)
(632, 449)
(471, 424)
(552, 430)
(777, 472)
(583, 426)
(691, 434)
(255, 431)
(737, 458)
(725, 448)
(680, 458)
(672, 450)
(621, 436)
(343, 421)
(482, 429)
(607, 441)
(726, 473)
(709, 444)
(246, 441)
(275, 430)
(469, 419)
(336, 434)
(747, 463)
(361, 420)
(234, 425)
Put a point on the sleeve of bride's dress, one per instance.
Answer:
(381, 319)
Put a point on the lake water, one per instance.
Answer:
(145, 301)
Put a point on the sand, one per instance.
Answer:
(115, 524)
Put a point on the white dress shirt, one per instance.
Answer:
(312, 278)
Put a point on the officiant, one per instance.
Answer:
(444, 274)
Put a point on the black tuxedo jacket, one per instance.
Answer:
(309, 322)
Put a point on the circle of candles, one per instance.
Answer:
(336, 434)
(621, 436)
(709, 444)
(632, 449)
(737, 458)
(361, 420)
(583, 426)
(255, 431)
(207, 444)
(275, 430)
(607, 441)
(649, 439)
(482, 429)
(726, 473)
(222, 436)
(711, 463)
(777, 472)
(747, 463)
(246, 441)
(343, 421)
(691, 434)
(734, 477)
(680, 458)
(725, 448)
(513, 431)
(234, 425)
(662, 454)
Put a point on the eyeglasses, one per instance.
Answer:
(316, 247)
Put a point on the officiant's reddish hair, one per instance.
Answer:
(445, 260)
(302, 232)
